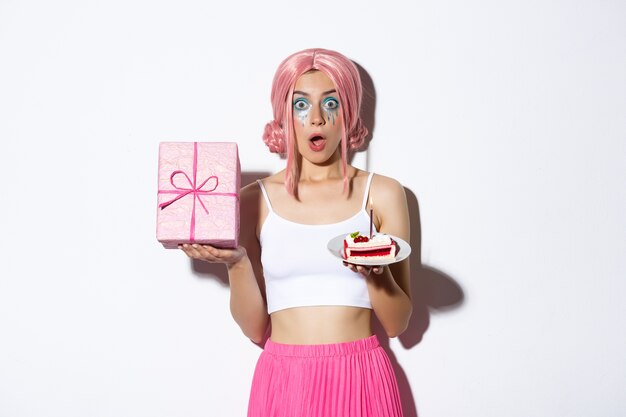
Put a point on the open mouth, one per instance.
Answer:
(317, 142)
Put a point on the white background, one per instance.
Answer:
(504, 120)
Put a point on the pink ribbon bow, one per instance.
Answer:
(194, 189)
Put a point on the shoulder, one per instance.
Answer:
(386, 188)
(388, 199)
(273, 181)
(252, 191)
(254, 209)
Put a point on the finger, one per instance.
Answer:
(377, 270)
(208, 251)
(350, 266)
(212, 254)
(227, 256)
(218, 253)
(194, 251)
(197, 251)
(187, 249)
(223, 254)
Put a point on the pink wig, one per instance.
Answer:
(279, 133)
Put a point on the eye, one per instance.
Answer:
(331, 103)
(300, 104)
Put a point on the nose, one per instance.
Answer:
(317, 118)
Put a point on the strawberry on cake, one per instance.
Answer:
(357, 247)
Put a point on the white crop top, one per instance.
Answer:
(298, 268)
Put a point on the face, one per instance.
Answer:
(317, 117)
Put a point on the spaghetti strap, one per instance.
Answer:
(267, 199)
(366, 193)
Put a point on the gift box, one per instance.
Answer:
(198, 194)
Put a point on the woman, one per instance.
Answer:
(321, 358)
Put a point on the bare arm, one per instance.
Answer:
(390, 287)
(247, 291)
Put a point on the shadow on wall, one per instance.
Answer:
(431, 290)
(368, 105)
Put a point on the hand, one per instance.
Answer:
(212, 254)
(366, 271)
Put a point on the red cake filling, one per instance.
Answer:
(371, 252)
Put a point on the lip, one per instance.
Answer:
(318, 145)
(312, 135)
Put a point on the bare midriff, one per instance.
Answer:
(320, 325)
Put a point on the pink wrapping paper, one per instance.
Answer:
(207, 212)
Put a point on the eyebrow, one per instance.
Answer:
(307, 94)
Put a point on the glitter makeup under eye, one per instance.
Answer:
(302, 113)
(331, 112)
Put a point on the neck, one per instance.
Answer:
(329, 170)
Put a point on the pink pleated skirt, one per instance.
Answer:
(352, 379)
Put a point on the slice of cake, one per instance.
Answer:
(357, 247)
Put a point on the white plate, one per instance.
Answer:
(335, 246)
